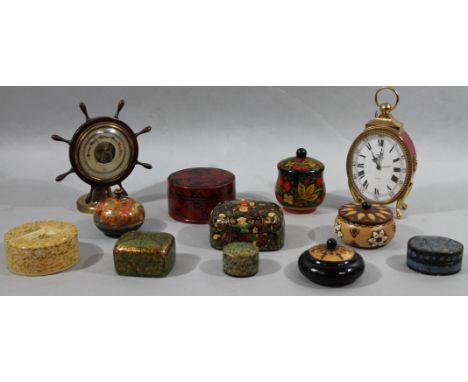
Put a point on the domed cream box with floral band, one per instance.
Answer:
(365, 225)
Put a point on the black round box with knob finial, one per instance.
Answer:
(331, 264)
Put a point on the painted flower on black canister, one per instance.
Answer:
(300, 187)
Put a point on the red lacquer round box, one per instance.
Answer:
(194, 192)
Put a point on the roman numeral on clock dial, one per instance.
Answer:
(379, 166)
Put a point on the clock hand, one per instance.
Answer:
(375, 160)
(381, 157)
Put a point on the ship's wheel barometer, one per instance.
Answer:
(103, 153)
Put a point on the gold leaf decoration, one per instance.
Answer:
(307, 193)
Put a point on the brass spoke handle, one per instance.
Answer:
(145, 165)
(58, 138)
(147, 129)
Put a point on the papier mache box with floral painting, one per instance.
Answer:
(257, 222)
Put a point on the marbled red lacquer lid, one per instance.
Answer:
(201, 177)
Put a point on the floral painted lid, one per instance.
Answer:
(331, 252)
(301, 163)
(247, 216)
(365, 213)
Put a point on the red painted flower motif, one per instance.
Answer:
(126, 210)
(287, 186)
(99, 209)
(298, 167)
(319, 181)
(280, 181)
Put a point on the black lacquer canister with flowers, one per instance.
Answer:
(300, 187)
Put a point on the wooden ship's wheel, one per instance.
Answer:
(103, 153)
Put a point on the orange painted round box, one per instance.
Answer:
(365, 225)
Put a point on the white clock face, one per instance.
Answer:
(104, 153)
(379, 167)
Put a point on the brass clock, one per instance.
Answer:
(103, 152)
(382, 160)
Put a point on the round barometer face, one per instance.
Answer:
(378, 166)
(104, 153)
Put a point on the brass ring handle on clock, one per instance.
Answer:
(397, 96)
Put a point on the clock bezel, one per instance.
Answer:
(82, 133)
(393, 133)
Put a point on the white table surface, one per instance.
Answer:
(247, 131)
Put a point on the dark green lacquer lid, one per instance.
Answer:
(240, 249)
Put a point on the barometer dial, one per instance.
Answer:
(104, 153)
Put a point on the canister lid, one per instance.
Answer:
(301, 163)
(434, 255)
(245, 214)
(41, 235)
(365, 213)
(201, 178)
(436, 245)
(116, 202)
(137, 242)
(240, 249)
(331, 252)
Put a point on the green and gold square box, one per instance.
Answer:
(144, 254)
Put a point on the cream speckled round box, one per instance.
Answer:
(41, 248)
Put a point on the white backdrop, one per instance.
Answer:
(246, 130)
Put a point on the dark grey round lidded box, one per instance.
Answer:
(434, 255)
